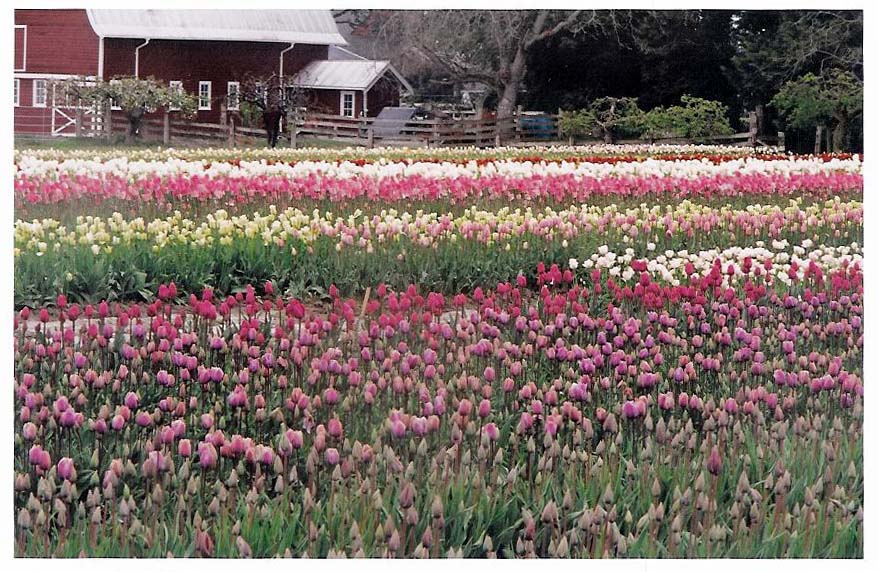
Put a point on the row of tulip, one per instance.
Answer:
(398, 154)
(575, 421)
(303, 253)
(737, 263)
(670, 223)
(126, 168)
(172, 183)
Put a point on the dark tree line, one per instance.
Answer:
(549, 59)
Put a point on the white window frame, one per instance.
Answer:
(178, 85)
(36, 101)
(113, 105)
(237, 86)
(341, 106)
(260, 91)
(202, 84)
(23, 49)
(16, 95)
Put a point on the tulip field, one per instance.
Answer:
(562, 352)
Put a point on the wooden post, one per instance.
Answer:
(370, 137)
(558, 130)
(754, 129)
(166, 128)
(363, 130)
(78, 126)
(818, 139)
(232, 131)
(498, 138)
(434, 136)
(108, 122)
(781, 141)
(293, 128)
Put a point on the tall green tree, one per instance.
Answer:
(813, 102)
(777, 46)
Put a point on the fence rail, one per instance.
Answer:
(522, 128)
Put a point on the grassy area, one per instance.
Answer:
(118, 143)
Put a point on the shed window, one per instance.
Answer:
(40, 93)
(203, 95)
(176, 86)
(16, 97)
(233, 91)
(347, 103)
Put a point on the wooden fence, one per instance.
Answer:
(368, 132)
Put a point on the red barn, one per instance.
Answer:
(206, 52)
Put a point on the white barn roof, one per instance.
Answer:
(287, 26)
(349, 74)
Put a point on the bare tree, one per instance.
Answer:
(276, 97)
(487, 46)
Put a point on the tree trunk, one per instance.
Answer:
(509, 97)
(133, 126)
(839, 134)
(818, 139)
(132, 131)
(608, 135)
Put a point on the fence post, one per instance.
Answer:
(232, 131)
(293, 127)
(78, 125)
(497, 133)
(370, 136)
(108, 123)
(781, 141)
(166, 128)
(361, 129)
(754, 129)
(555, 126)
(434, 139)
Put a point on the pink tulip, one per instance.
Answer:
(331, 456)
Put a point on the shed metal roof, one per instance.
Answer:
(346, 74)
(287, 26)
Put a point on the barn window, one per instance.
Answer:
(203, 95)
(16, 98)
(176, 86)
(347, 103)
(233, 91)
(40, 93)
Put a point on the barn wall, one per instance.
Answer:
(301, 55)
(58, 42)
(329, 101)
(30, 120)
(385, 93)
(217, 62)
